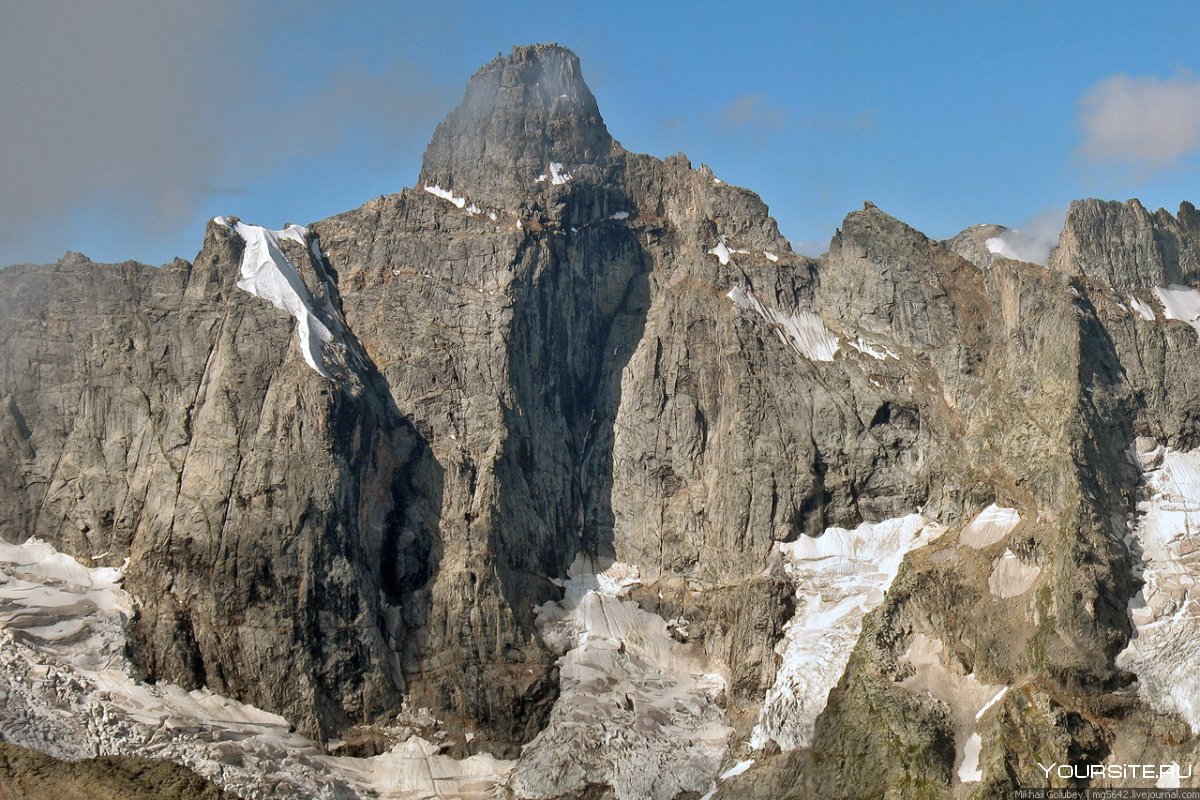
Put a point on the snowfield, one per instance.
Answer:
(840, 577)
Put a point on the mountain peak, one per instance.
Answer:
(1124, 245)
(520, 113)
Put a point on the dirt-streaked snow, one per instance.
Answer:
(840, 576)
(803, 331)
(267, 273)
(637, 709)
(989, 526)
(1165, 650)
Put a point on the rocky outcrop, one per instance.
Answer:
(1122, 245)
(521, 114)
(161, 415)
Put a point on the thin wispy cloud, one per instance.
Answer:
(380, 111)
(810, 247)
(141, 112)
(750, 113)
(856, 124)
(1146, 124)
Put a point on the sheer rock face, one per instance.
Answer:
(620, 362)
(1122, 245)
(163, 415)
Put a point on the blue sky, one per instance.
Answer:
(128, 124)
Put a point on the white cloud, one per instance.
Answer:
(133, 116)
(1033, 240)
(1144, 122)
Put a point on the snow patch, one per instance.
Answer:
(222, 221)
(989, 526)
(967, 698)
(1145, 311)
(767, 254)
(969, 771)
(637, 710)
(267, 273)
(1181, 303)
(1169, 778)
(840, 577)
(864, 347)
(1165, 652)
(558, 175)
(721, 251)
(802, 331)
(297, 233)
(446, 194)
(1012, 577)
(737, 769)
(988, 705)
(740, 299)
(619, 215)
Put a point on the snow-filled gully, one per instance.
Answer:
(266, 272)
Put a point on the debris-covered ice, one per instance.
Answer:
(637, 710)
(68, 690)
(1165, 650)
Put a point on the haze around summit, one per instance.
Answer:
(128, 124)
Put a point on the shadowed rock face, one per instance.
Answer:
(569, 348)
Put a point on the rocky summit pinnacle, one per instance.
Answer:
(1165, 248)
(561, 475)
(520, 114)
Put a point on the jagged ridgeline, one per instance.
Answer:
(560, 475)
